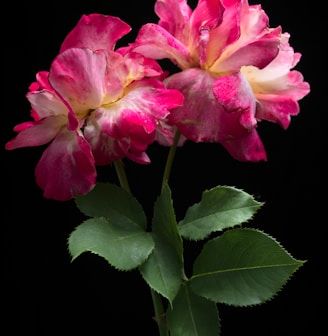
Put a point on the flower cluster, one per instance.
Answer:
(98, 104)
(95, 105)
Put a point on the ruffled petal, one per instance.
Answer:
(41, 82)
(134, 66)
(84, 78)
(36, 133)
(217, 110)
(243, 38)
(96, 31)
(130, 123)
(155, 42)
(248, 148)
(80, 78)
(46, 103)
(277, 109)
(174, 16)
(276, 87)
(235, 95)
(66, 168)
(198, 119)
(204, 19)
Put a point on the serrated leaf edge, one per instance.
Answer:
(302, 262)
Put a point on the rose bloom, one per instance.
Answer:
(96, 105)
(235, 71)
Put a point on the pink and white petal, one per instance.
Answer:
(66, 168)
(206, 16)
(208, 13)
(254, 25)
(136, 144)
(198, 118)
(297, 87)
(155, 97)
(136, 124)
(141, 108)
(46, 103)
(265, 82)
(153, 41)
(105, 148)
(165, 134)
(277, 109)
(36, 133)
(214, 108)
(276, 78)
(203, 118)
(96, 31)
(131, 122)
(277, 91)
(225, 34)
(83, 79)
(285, 60)
(254, 22)
(138, 157)
(259, 53)
(151, 68)
(256, 44)
(174, 17)
(248, 147)
(41, 82)
(135, 66)
(238, 123)
(235, 95)
(150, 99)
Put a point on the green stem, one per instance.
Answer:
(170, 157)
(159, 313)
(156, 298)
(120, 171)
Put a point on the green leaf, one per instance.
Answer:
(124, 246)
(221, 207)
(164, 223)
(242, 267)
(111, 201)
(192, 315)
(163, 270)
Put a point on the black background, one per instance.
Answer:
(45, 294)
